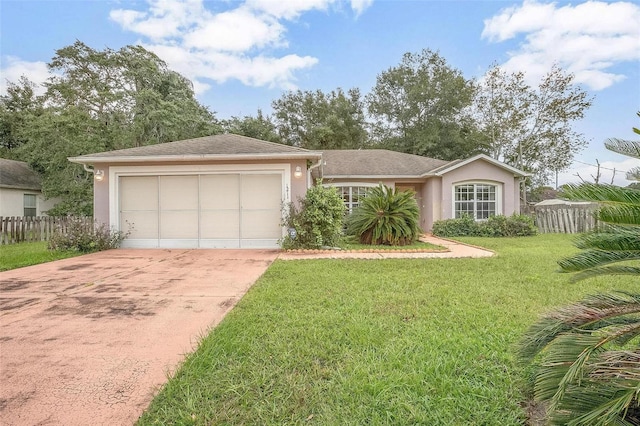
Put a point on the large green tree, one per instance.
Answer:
(99, 101)
(259, 127)
(318, 120)
(589, 373)
(531, 127)
(419, 107)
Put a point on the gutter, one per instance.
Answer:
(88, 159)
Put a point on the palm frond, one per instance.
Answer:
(613, 238)
(619, 214)
(593, 312)
(623, 146)
(608, 270)
(587, 259)
(601, 193)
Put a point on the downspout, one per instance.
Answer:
(87, 169)
(309, 182)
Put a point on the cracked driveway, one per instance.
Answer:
(89, 340)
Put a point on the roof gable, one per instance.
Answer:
(18, 175)
(225, 146)
(482, 157)
(376, 163)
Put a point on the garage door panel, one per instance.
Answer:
(220, 191)
(138, 193)
(261, 191)
(144, 224)
(178, 224)
(261, 224)
(219, 224)
(178, 192)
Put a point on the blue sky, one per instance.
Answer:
(241, 55)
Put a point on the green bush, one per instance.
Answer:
(79, 237)
(386, 216)
(460, 227)
(318, 222)
(496, 226)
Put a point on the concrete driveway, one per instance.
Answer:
(89, 340)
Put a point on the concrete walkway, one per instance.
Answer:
(454, 249)
(89, 340)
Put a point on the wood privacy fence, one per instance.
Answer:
(16, 229)
(565, 219)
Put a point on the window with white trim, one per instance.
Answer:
(351, 196)
(479, 200)
(29, 205)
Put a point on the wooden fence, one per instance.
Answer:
(16, 229)
(565, 219)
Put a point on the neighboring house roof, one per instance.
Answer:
(18, 175)
(376, 163)
(560, 202)
(218, 147)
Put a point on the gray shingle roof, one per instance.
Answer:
(226, 145)
(18, 175)
(376, 162)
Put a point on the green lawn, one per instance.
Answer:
(25, 254)
(377, 342)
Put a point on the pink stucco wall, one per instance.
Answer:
(481, 171)
(101, 196)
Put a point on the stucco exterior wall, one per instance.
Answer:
(481, 171)
(432, 203)
(12, 202)
(101, 196)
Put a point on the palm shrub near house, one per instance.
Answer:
(317, 222)
(386, 216)
(587, 355)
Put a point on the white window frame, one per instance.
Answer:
(498, 198)
(349, 203)
(34, 207)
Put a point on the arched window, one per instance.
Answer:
(480, 200)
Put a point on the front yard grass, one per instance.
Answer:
(14, 256)
(377, 342)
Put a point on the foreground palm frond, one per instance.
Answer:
(589, 352)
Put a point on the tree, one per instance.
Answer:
(590, 367)
(259, 127)
(315, 120)
(100, 101)
(419, 107)
(531, 128)
(18, 108)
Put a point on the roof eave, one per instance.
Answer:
(326, 176)
(446, 169)
(23, 187)
(88, 159)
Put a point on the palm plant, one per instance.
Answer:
(589, 370)
(386, 216)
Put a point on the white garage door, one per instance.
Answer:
(234, 210)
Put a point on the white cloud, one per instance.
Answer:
(587, 39)
(13, 68)
(237, 43)
(589, 171)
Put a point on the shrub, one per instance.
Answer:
(79, 237)
(496, 226)
(318, 222)
(386, 217)
(459, 227)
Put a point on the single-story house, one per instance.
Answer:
(20, 190)
(227, 191)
